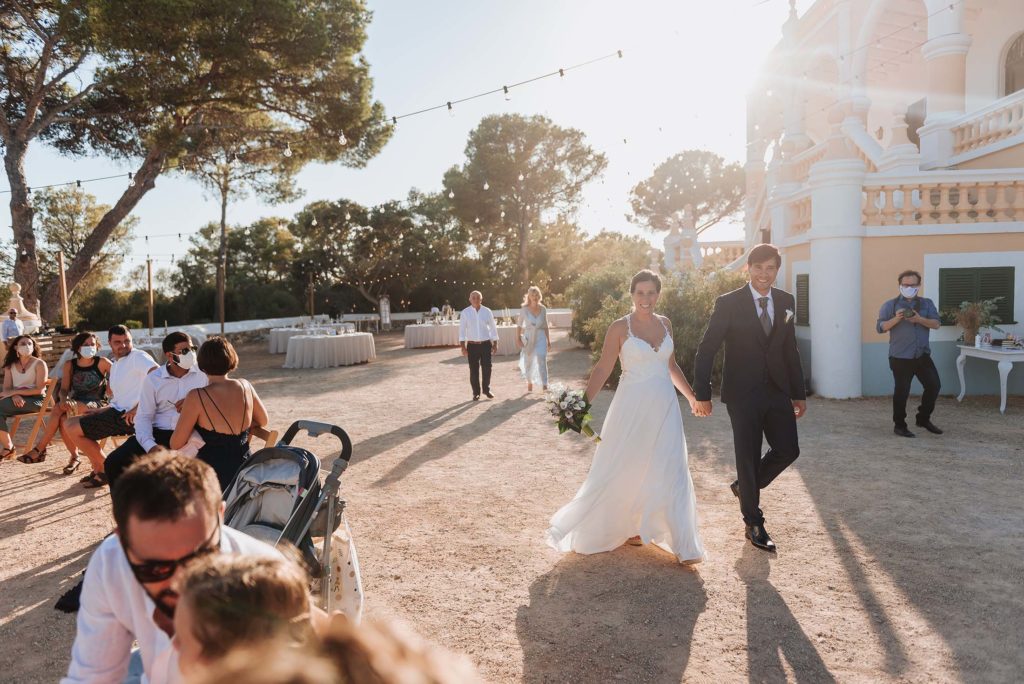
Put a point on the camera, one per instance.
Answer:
(907, 313)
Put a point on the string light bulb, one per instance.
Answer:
(487, 186)
(287, 150)
(508, 96)
(521, 176)
(131, 179)
(342, 140)
(313, 222)
(451, 112)
(348, 216)
(451, 194)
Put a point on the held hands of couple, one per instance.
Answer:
(701, 409)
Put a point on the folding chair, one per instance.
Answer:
(269, 437)
(39, 415)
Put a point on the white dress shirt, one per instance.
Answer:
(160, 392)
(115, 610)
(771, 303)
(11, 329)
(477, 326)
(127, 375)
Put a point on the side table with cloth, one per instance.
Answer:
(507, 340)
(1005, 359)
(328, 351)
(279, 338)
(432, 335)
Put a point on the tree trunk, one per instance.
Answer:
(368, 296)
(26, 268)
(524, 265)
(222, 257)
(145, 180)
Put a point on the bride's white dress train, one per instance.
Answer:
(639, 482)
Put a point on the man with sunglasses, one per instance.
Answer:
(163, 392)
(168, 512)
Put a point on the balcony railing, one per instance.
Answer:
(1003, 119)
(898, 204)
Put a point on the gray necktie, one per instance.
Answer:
(766, 322)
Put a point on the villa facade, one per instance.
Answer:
(886, 135)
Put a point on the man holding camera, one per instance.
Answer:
(908, 319)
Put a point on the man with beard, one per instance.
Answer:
(168, 512)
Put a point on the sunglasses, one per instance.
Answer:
(161, 570)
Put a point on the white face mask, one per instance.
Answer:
(908, 292)
(186, 360)
(87, 351)
(25, 349)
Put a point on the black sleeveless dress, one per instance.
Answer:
(223, 451)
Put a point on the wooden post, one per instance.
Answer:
(65, 314)
(311, 313)
(149, 285)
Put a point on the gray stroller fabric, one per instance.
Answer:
(263, 498)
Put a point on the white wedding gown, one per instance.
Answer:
(639, 482)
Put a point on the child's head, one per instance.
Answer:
(229, 601)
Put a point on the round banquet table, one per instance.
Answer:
(431, 335)
(507, 340)
(279, 338)
(328, 351)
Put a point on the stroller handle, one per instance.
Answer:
(315, 429)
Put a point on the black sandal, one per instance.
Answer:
(73, 465)
(39, 457)
(95, 481)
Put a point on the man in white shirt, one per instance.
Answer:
(11, 327)
(127, 375)
(160, 399)
(168, 511)
(478, 337)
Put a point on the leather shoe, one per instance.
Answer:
(929, 426)
(476, 397)
(488, 395)
(758, 536)
(902, 431)
(735, 487)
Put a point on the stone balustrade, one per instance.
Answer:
(799, 216)
(1004, 119)
(916, 203)
(800, 165)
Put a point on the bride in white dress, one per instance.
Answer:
(638, 489)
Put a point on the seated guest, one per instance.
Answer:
(162, 395)
(83, 387)
(128, 371)
(365, 653)
(168, 513)
(228, 602)
(24, 386)
(222, 412)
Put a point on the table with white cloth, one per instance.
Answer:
(328, 351)
(432, 335)
(507, 340)
(1004, 358)
(559, 319)
(278, 337)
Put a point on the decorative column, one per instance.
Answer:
(946, 56)
(836, 183)
(901, 155)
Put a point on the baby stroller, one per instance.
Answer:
(276, 496)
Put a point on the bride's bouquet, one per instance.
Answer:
(571, 410)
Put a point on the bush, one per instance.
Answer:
(132, 325)
(587, 299)
(686, 299)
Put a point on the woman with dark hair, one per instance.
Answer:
(24, 386)
(83, 389)
(222, 412)
(639, 488)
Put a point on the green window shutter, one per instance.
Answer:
(803, 305)
(958, 285)
(998, 282)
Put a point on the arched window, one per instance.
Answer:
(1014, 76)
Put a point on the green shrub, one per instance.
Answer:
(132, 325)
(587, 296)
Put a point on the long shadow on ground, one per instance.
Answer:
(603, 617)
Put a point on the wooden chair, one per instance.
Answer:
(39, 416)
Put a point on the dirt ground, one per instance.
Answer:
(899, 560)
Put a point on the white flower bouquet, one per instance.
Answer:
(571, 411)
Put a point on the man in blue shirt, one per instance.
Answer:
(908, 319)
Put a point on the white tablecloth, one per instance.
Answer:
(327, 351)
(278, 338)
(429, 335)
(560, 319)
(507, 340)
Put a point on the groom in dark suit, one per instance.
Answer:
(762, 381)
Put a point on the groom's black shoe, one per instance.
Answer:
(758, 536)
(902, 431)
(476, 397)
(929, 426)
(488, 394)
(735, 487)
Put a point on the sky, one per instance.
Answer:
(681, 84)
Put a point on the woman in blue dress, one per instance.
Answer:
(533, 337)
